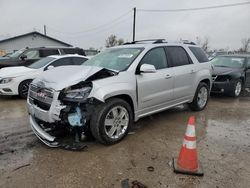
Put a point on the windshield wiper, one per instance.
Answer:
(222, 66)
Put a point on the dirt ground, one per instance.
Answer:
(222, 130)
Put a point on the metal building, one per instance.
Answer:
(32, 39)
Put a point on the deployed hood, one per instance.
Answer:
(15, 71)
(65, 76)
(225, 70)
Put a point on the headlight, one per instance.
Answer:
(77, 94)
(5, 80)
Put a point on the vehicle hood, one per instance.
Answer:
(6, 61)
(15, 71)
(65, 76)
(226, 70)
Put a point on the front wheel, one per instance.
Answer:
(237, 89)
(24, 88)
(201, 97)
(111, 121)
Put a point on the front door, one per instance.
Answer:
(155, 90)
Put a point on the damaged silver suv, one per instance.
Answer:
(109, 92)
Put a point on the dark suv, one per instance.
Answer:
(27, 56)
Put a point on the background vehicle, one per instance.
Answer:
(231, 73)
(27, 56)
(16, 80)
(119, 86)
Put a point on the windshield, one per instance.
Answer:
(41, 63)
(231, 62)
(16, 54)
(118, 59)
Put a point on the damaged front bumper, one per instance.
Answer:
(45, 137)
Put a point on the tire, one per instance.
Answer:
(236, 91)
(113, 130)
(23, 88)
(199, 104)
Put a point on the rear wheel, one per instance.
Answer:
(111, 121)
(24, 88)
(201, 97)
(237, 89)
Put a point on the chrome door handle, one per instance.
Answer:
(168, 76)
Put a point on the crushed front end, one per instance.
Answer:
(54, 114)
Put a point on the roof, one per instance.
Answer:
(36, 33)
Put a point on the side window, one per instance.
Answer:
(48, 52)
(78, 60)
(248, 63)
(199, 54)
(62, 62)
(177, 56)
(32, 54)
(156, 57)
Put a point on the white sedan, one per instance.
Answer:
(16, 80)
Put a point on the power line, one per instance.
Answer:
(195, 9)
(97, 27)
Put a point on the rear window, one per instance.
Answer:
(199, 54)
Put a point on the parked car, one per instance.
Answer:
(231, 74)
(27, 56)
(117, 87)
(16, 80)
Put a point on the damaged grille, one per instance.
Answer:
(41, 97)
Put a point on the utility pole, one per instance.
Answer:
(44, 30)
(134, 23)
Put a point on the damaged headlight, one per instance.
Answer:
(77, 94)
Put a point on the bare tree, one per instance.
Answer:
(112, 40)
(245, 44)
(203, 43)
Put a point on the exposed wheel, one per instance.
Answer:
(201, 97)
(237, 89)
(24, 88)
(111, 121)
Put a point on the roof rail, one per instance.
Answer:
(154, 41)
(187, 42)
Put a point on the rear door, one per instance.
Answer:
(184, 72)
(155, 90)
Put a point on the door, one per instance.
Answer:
(184, 72)
(31, 56)
(248, 73)
(155, 90)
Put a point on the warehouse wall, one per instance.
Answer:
(32, 40)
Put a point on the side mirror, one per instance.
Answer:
(146, 68)
(23, 57)
(50, 67)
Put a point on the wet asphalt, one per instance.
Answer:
(223, 143)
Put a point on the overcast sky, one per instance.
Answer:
(74, 21)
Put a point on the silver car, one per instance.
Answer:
(115, 88)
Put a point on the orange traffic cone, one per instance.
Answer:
(187, 162)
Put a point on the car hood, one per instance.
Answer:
(65, 76)
(226, 70)
(15, 71)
